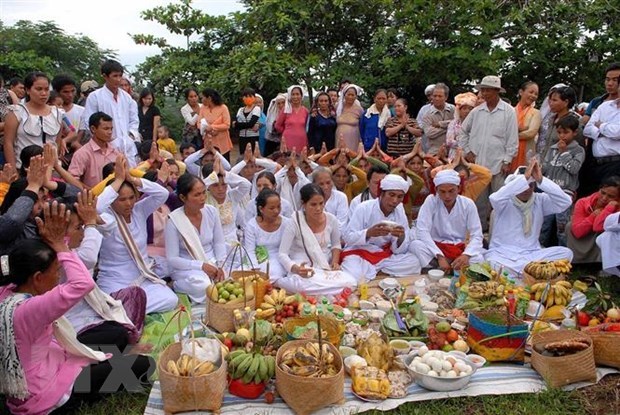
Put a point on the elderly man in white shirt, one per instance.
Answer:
(609, 242)
(437, 118)
(377, 235)
(489, 137)
(448, 231)
(119, 105)
(604, 129)
(518, 217)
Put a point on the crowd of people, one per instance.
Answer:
(104, 219)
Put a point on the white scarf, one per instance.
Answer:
(288, 107)
(526, 211)
(107, 307)
(272, 114)
(12, 377)
(384, 115)
(189, 234)
(310, 243)
(134, 252)
(340, 106)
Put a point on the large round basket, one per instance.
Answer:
(606, 347)
(530, 280)
(182, 393)
(307, 395)
(564, 370)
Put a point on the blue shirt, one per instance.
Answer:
(369, 130)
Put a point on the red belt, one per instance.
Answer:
(451, 251)
(373, 257)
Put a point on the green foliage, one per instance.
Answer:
(44, 46)
(385, 43)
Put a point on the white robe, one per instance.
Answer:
(400, 263)
(338, 205)
(292, 252)
(435, 223)
(509, 247)
(255, 237)
(609, 242)
(251, 212)
(117, 269)
(187, 274)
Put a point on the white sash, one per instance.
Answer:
(134, 253)
(189, 234)
(310, 243)
(107, 307)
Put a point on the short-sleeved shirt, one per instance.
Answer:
(87, 163)
(403, 142)
(146, 122)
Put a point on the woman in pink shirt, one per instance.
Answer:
(291, 122)
(41, 362)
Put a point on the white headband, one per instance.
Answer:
(394, 182)
(447, 177)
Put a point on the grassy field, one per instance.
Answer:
(600, 399)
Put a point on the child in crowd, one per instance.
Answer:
(164, 142)
(561, 165)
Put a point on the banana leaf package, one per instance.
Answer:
(414, 319)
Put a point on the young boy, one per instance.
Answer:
(87, 163)
(164, 142)
(562, 165)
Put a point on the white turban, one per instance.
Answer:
(447, 177)
(516, 174)
(394, 182)
(213, 178)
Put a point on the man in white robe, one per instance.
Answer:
(448, 230)
(376, 235)
(518, 214)
(609, 242)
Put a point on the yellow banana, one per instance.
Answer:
(171, 367)
(269, 299)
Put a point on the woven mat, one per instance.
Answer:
(497, 379)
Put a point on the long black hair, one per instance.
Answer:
(28, 257)
(185, 183)
(214, 95)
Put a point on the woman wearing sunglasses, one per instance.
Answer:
(34, 122)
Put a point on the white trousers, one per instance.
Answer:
(194, 283)
(321, 283)
(398, 265)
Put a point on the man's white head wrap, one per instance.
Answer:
(394, 182)
(447, 177)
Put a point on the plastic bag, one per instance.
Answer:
(205, 349)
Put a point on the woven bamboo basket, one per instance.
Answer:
(220, 316)
(530, 280)
(195, 393)
(606, 348)
(307, 395)
(564, 370)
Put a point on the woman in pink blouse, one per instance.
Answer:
(42, 365)
(291, 122)
(216, 124)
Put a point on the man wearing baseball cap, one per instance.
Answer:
(490, 137)
(86, 88)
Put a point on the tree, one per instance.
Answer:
(43, 46)
(387, 43)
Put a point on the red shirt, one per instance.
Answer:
(584, 220)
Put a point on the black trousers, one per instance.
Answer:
(244, 141)
(105, 334)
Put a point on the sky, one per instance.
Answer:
(107, 22)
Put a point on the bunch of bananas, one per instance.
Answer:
(484, 289)
(189, 366)
(557, 294)
(545, 270)
(371, 383)
(251, 367)
(309, 361)
(276, 299)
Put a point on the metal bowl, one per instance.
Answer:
(436, 383)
